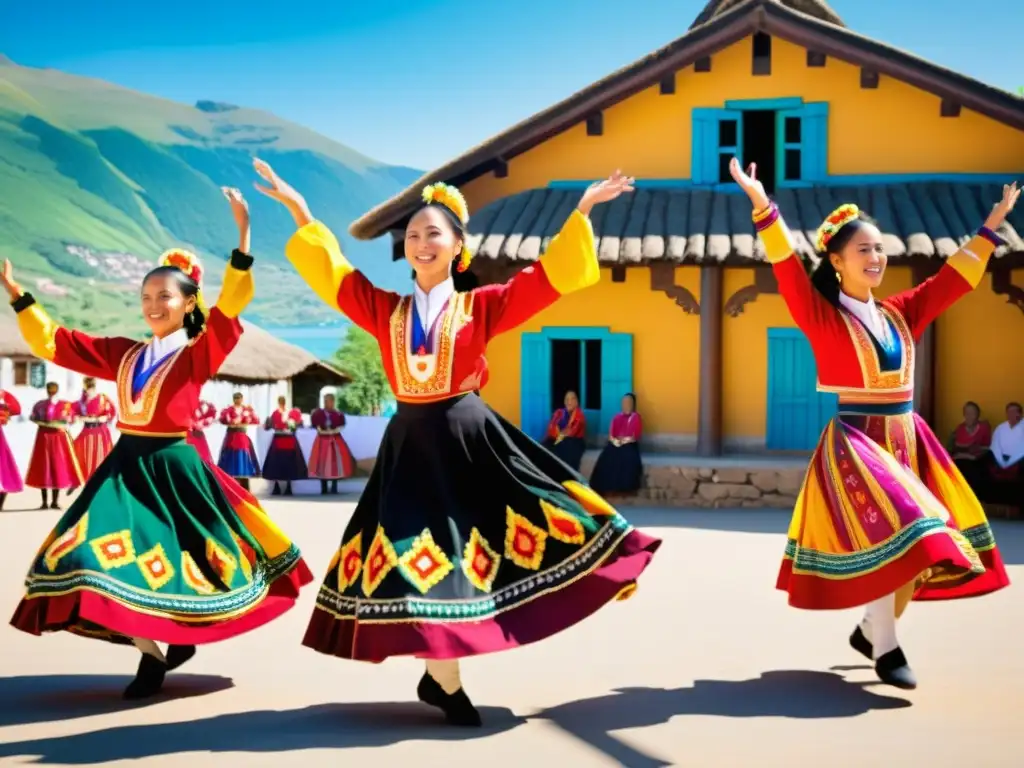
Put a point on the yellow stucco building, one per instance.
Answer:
(687, 314)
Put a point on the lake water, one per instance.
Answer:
(316, 339)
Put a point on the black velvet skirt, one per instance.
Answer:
(618, 469)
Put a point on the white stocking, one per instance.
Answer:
(150, 647)
(879, 625)
(446, 673)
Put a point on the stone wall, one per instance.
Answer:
(685, 486)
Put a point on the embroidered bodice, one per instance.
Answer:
(238, 416)
(327, 420)
(57, 413)
(285, 421)
(95, 410)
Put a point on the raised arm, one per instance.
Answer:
(959, 275)
(223, 327)
(808, 308)
(569, 265)
(89, 355)
(316, 255)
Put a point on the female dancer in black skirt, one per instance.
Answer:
(470, 537)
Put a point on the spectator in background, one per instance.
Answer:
(969, 447)
(1007, 452)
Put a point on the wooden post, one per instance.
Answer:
(709, 427)
(924, 361)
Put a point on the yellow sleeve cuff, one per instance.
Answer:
(971, 260)
(39, 331)
(317, 257)
(570, 262)
(778, 241)
(237, 291)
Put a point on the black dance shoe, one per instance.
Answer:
(288, 490)
(892, 668)
(457, 708)
(148, 680)
(861, 644)
(276, 491)
(178, 655)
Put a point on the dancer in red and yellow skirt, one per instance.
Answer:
(470, 537)
(93, 443)
(884, 515)
(53, 465)
(203, 416)
(160, 546)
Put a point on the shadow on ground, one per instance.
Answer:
(52, 698)
(783, 693)
(324, 726)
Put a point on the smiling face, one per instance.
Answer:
(861, 260)
(164, 305)
(431, 244)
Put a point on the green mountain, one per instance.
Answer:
(97, 180)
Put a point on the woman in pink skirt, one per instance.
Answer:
(10, 476)
(94, 442)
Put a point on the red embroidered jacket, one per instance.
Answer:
(238, 416)
(849, 363)
(279, 420)
(167, 402)
(564, 424)
(456, 363)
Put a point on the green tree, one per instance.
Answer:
(359, 357)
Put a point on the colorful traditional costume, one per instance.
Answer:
(160, 545)
(566, 435)
(330, 458)
(619, 468)
(93, 443)
(53, 465)
(10, 475)
(237, 454)
(883, 507)
(203, 417)
(469, 538)
(284, 461)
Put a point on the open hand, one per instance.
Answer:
(749, 183)
(7, 279)
(239, 207)
(605, 191)
(283, 192)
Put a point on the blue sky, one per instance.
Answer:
(416, 82)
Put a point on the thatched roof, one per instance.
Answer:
(816, 8)
(737, 22)
(695, 225)
(259, 356)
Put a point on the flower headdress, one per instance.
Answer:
(449, 197)
(188, 263)
(835, 221)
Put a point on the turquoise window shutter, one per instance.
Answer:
(616, 375)
(717, 134)
(801, 133)
(535, 384)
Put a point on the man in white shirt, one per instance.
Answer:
(1007, 453)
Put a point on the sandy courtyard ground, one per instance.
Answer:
(705, 666)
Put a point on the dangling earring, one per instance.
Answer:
(839, 278)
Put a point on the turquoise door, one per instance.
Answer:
(599, 386)
(797, 413)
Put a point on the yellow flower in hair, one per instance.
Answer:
(449, 197)
(835, 221)
(184, 260)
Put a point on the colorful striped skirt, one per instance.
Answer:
(161, 545)
(92, 446)
(883, 505)
(330, 458)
